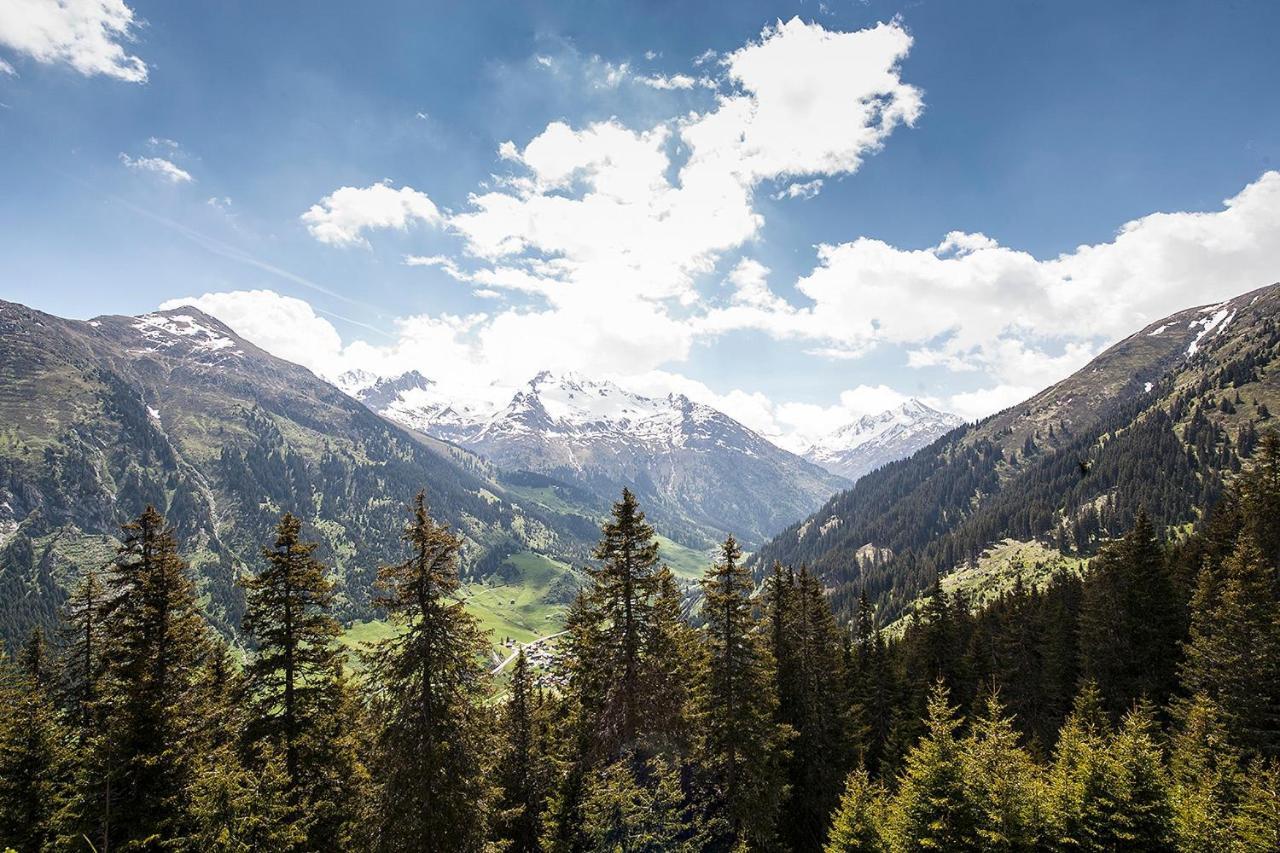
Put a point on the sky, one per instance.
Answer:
(797, 212)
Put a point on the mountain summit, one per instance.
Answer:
(860, 447)
(699, 472)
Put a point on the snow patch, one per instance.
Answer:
(1208, 323)
(1147, 387)
(1157, 331)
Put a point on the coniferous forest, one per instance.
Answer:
(1135, 706)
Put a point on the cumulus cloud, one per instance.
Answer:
(166, 169)
(88, 35)
(342, 217)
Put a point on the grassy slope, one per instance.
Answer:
(518, 610)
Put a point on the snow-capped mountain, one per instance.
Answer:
(864, 445)
(698, 471)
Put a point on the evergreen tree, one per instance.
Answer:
(1079, 801)
(522, 770)
(1142, 816)
(82, 662)
(1204, 768)
(670, 666)
(638, 812)
(931, 810)
(429, 682)
(33, 757)
(741, 743)
(622, 599)
(1255, 826)
(815, 706)
(1131, 622)
(296, 685)
(1003, 783)
(134, 784)
(1233, 656)
(858, 824)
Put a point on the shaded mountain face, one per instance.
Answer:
(700, 474)
(1156, 422)
(100, 418)
(872, 441)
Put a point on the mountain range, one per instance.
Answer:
(699, 473)
(1156, 423)
(871, 441)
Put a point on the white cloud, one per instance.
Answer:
(674, 81)
(85, 34)
(972, 405)
(166, 169)
(342, 217)
(6, 68)
(806, 190)
(444, 262)
(282, 325)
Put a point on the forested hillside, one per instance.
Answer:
(1134, 708)
(1156, 422)
(99, 419)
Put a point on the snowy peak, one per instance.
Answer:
(865, 444)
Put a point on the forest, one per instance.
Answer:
(1133, 707)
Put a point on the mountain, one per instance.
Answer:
(173, 408)
(871, 441)
(699, 473)
(1155, 422)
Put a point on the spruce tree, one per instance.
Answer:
(1205, 772)
(135, 781)
(1142, 817)
(670, 667)
(1255, 825)
(82, 662)
(296, 685)
(931, 810)
(33, 754)
(858, 824)
(1003, 783)
(1233, 655)
(429, 683)
(622, 597)
(522, 768)
(742, 745)
(1080, 801)
(814, 703)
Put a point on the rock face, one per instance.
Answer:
(100, 418)
(699, 472)
(866, 444)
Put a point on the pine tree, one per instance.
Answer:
(931, 810)
(296, 685)
(33, 757)
(82, 663)
(1233, 655)
(1131, 624)
(522, 769)
(1255, 825)
(1142, 817)
(815, 705)
(429, 681)
(858, 824)
(741, 743)
(622, 598)
(1204, 768)
(1003, 783)
(134, 783)
(1079, 801)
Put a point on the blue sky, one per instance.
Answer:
(657, 214)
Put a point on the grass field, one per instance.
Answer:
(518, 610)
(686, 562)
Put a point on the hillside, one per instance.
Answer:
(1156, 421)
(99, 418)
